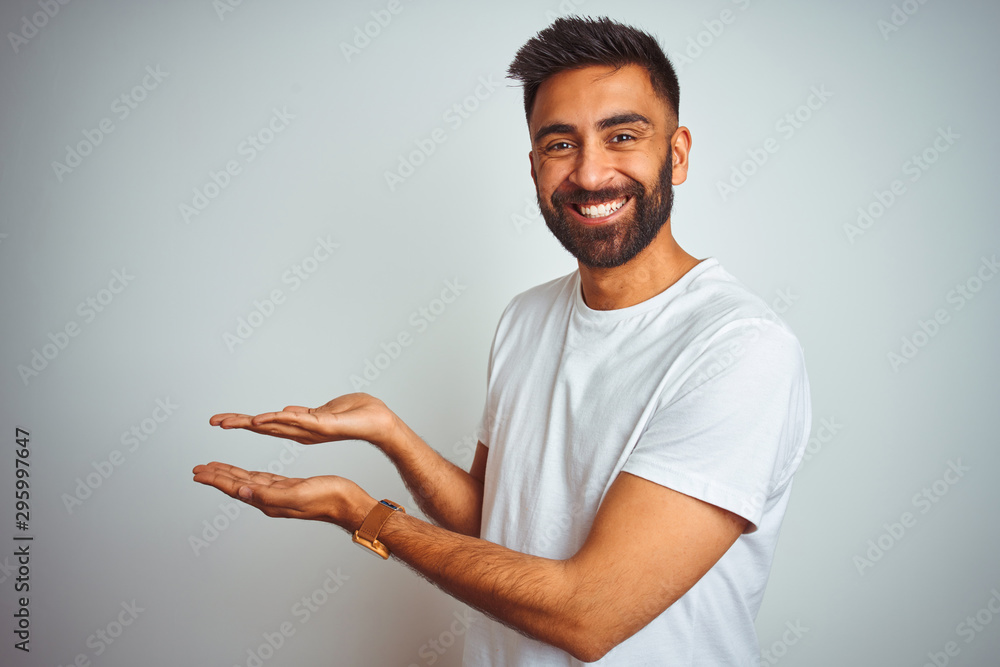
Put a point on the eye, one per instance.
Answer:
(622, 138)
(559, 146)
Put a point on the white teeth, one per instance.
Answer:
(601, 210)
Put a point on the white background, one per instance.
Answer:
(869, 592)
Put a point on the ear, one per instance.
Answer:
(531, 160)
(680, 147)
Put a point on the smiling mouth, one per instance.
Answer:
(602, 210)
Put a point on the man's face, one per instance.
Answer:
(601, 162)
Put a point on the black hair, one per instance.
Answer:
(572, 42)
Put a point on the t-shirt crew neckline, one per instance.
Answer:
(652, 303)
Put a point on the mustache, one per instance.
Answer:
(588, 197)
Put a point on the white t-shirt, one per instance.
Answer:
(701, 389)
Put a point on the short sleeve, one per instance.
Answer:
(485, 425)
(734, 432)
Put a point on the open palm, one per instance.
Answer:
(349, 417)
(322, 498)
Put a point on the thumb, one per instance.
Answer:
(261, 495)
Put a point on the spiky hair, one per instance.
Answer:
(575, 41)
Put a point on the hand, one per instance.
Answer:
(348, 417)
(326, 498)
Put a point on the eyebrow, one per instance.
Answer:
(603, 124)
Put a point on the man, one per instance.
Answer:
(644, 414)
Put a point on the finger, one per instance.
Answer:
(306, 421)
(231, 420)
(256, 495)
(262, 477)
(215, 419)
(287, 431)
(272, 500)
(295, 408)
(223, 472)
(290, 417)
(228, 478)
(224, 468)
(221, 480)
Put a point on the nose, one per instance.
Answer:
(594, 168)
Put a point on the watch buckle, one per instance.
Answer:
(374, 545)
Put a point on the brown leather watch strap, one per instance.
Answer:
(367, 534)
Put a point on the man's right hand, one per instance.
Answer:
(349, 417)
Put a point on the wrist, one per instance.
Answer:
(393, 442)
(368, 534)
(354, 510)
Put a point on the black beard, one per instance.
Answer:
(612, 245)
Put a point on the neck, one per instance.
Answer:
(657, 267)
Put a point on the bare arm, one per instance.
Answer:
(647, 547)
(451, 497)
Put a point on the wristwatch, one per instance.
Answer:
(367, 534)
